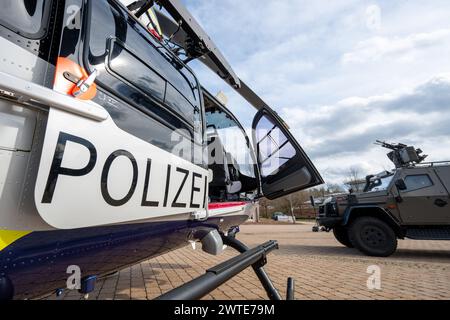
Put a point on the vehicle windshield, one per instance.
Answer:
(380, 184)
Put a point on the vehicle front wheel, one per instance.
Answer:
(341, 235)
(373, 237)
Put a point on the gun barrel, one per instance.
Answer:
(386, 145)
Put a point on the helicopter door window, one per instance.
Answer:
(230, 156)
(29, 18)
(179, 103)
(273, 147)
(126, 65)
(134, 71)
(154, 65)
(233, 139)
(284, 166)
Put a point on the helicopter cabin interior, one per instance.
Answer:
(230, 154)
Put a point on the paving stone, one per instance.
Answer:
(320, 266)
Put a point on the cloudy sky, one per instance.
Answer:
(341, 73)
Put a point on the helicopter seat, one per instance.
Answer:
(219, 164)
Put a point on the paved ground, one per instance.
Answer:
(322, 269)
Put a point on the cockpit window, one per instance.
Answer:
(233, 139)
(28, 18)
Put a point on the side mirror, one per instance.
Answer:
(401, 185)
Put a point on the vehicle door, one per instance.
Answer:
(425, 200)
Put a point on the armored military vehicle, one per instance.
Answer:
(411, 201)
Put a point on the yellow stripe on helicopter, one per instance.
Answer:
(9, 236)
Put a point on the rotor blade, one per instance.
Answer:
(245, 91)
(195, 32)
(249, 95)
(170, 28)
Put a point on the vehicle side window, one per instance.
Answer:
(416, 182)
(28, 18)
(273, 147)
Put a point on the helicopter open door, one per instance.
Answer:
(284, 166)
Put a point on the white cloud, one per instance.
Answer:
(341, 136)
(373, 16)
(292, 53)
(378, 47)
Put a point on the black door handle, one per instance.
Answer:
(440, 203)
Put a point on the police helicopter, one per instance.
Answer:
(112, 152)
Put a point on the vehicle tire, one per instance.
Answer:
(341, 235)
(373, 237)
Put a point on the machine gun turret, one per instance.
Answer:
(403, 155)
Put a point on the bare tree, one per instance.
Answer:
(335, 188)
(354, 179)
(296, 200)
(353, 173)
(264, 203)
(292, 202)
